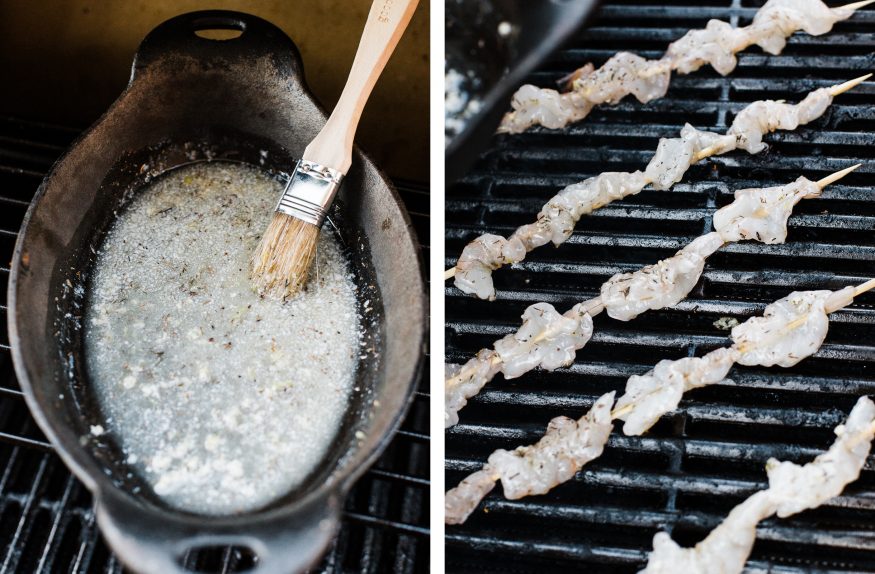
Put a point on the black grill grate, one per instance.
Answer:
(698, 463)
(46, 518)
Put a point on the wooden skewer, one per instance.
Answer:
(797, 322)
(708, 151)
(617, 413)
(762, 211)
(837, 175)
(842, 88)
(451, 272)
(656, 70)
(858, 290)
(833, 91)
(863, 287)
(855, 5)
(661, 67)
(595, 303)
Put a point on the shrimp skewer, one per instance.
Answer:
(792, 489)
(788, 331)
(627, 73)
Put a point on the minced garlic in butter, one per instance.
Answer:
(222, 400)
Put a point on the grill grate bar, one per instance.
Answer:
(569, 551)
(705, 447)
(37, 175)
(57, 524)
(377, 521)
(417, 436)
(16, 440)
(415, 480)
(691, 304)
(13, 554)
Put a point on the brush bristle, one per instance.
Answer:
(284, 256)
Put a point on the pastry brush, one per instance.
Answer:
(287, 249)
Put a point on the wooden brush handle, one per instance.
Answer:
(384, 27)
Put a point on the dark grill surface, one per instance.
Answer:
(46, 518)
(696, 464)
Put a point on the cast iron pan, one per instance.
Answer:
(192, 99)
(501, 63)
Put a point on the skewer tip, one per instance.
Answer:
(842, 88)
(449, 273)
(832, 178)
(863, 287)
(855, 5)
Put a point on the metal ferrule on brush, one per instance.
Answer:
(310, 191)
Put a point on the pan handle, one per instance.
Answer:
(151, 542)
(179, 37)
